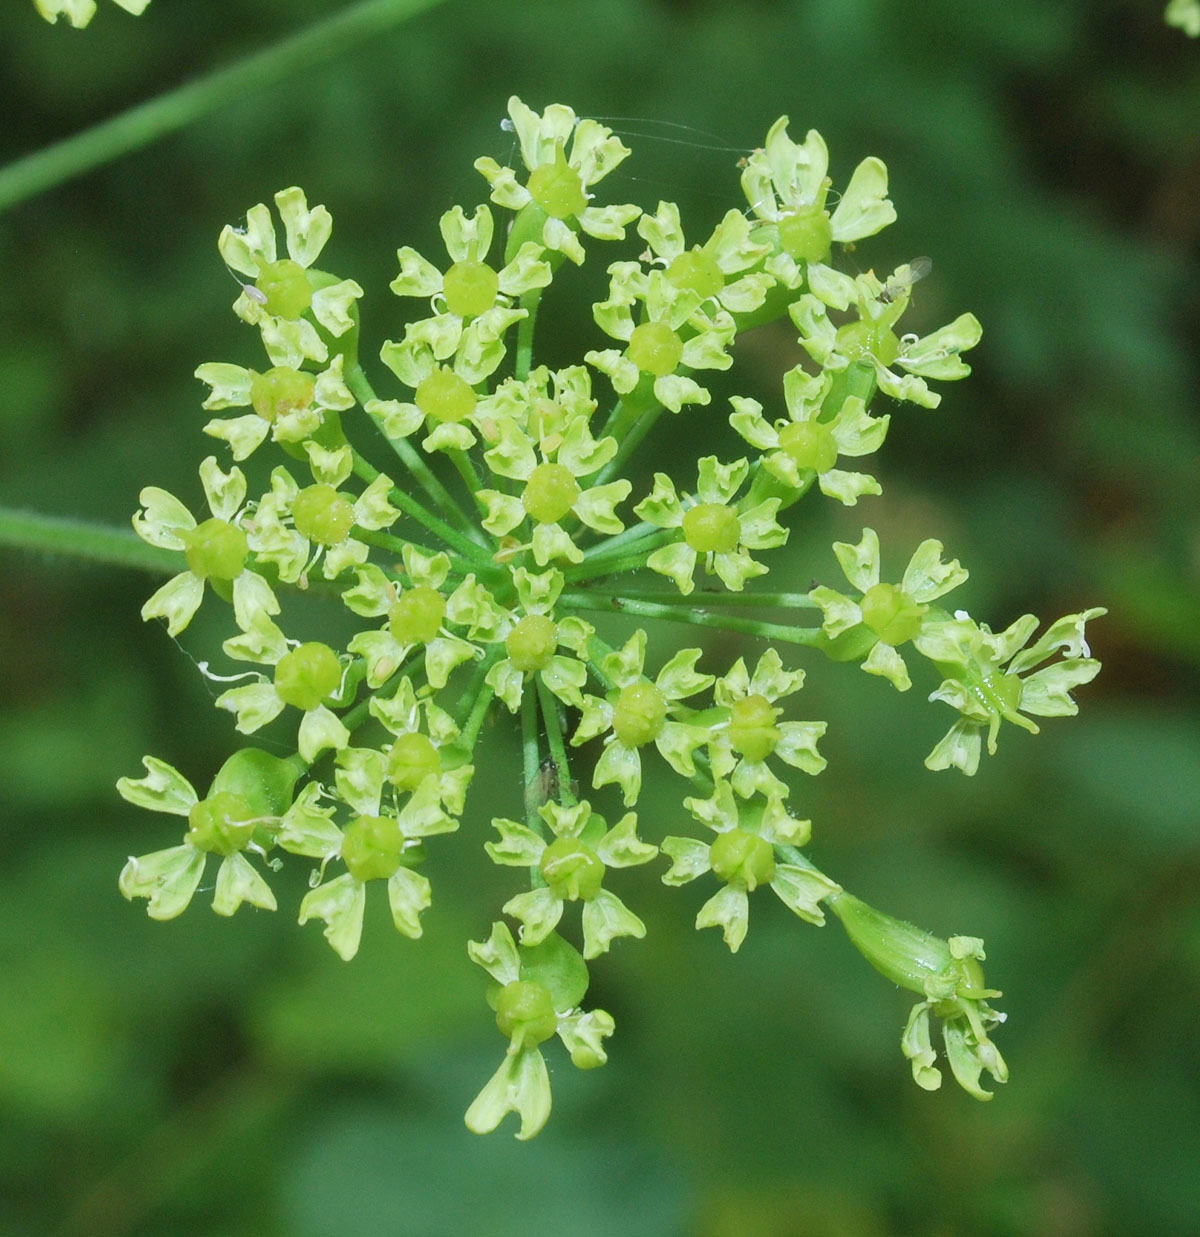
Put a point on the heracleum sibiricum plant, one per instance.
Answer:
(467, 506)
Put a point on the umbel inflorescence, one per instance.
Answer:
(473, 514)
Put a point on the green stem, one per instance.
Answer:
(395, 545)
(96, 543)
(410, 506)
(143, 124)
(604, 565)
(551, 714)
(524, 359)
(532, 768)
(484, 695)
(620, 542)
(698, 618)
(362, 390)
(715, 597)
(630, 439)
(471, 478)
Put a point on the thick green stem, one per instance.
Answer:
(95, 543)
(722, 597)
(698, 618)
(524, 359)
(141, 125)
(362, 390)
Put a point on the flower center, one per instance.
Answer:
(550, 493)
(222, 823)
(741, 858)
(525, 1009)
(215, 550)
(865, 340)
(639, 714)
(531, 643)
(470, 288)
(371, 847)
(810, 444)
(696, 271)
(572, 870)
(711, 527)
(306, 676)
(444, 396)
(322, 514)
(655, 349)
(286, 287)
(807, 234)
(891, 613)
(412, 759)
(280, 391)
(557, 188)
(752, 729)
(417, 617)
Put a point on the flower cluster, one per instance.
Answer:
(466, 520)
(79, 12)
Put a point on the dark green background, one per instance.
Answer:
(236, 1077)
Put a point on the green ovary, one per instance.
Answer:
(445, 397)
(1000, 693)
(531, 643)
(470, 288)
(639, 714)
(572, 870)
(891, 613)
(222, 823)
(417, 617)
(280, 391)
(696, 271)
(550, 493)
(655, 349)
(412, 759)
(215, 550)
(810, 444)
(864, 340)
(711, 528)
(752, 729)
(742, 858)
(286, 287)
(807, 234)
(322, 514)
(557, 188)
(524, 1008)
(371, 847)
(308, 675)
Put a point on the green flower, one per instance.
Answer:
(726, 269)
(711, 527)
(639, 712)
(810, 442)
(288, 299)
(532, 637)
(551, 489)
(470, 299)
(381, 842)
(296, 527)
(226, 823)
(418, 617)
(672, 333)
(870, 340)
(289, 404)
(555, 196)
(745, 730)
(787, 187)
(80, 12)
(948, 975)
(743, 857)
(991, 678)
(306, 676)
(886, 615)
(573, 866)
(535, 992)
(217, 550)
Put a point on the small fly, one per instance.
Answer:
(904, 278)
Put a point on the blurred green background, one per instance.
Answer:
(207, 1076)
